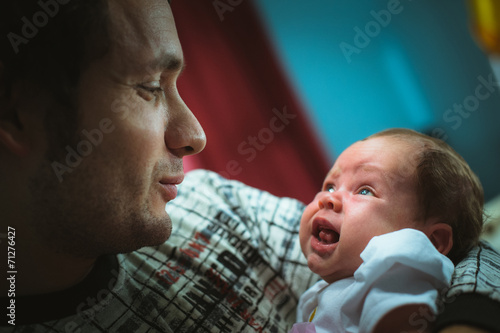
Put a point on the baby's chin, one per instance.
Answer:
(319, 266)
(336, 276)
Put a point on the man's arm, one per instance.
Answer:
(473, 300)
(397, 321)
(238, 248)
(270, 227)
(462, 329)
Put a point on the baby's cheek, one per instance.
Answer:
(310, 210)
(303, 238)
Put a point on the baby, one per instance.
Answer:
(395, 211)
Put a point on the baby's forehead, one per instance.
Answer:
(394, 159)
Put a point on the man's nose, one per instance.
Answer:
(184, 134)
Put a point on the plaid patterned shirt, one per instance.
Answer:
(232, 264)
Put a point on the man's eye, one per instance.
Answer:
(149, 91)
(365, 191)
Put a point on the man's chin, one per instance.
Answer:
(156, 235)
(136, 244)
(158, 238)
(151, 231)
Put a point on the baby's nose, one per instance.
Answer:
(330, 200)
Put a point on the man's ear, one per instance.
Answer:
(441, 235)
(12, 136)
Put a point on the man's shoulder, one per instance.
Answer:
(478, 273)
(474, 296)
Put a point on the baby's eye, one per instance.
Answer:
(365, 191)
(330, 188)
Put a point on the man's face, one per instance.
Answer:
(368, 192)
(134, 130)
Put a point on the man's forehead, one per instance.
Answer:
(140, 15)
(143, 32)
(135, 11)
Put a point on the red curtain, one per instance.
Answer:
(257, 131)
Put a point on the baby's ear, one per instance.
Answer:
(441, 235)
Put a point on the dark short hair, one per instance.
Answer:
(46, 42)
(447, 188)
(45, 45)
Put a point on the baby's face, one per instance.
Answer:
(369, 191)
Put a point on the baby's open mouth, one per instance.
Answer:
(327, 236)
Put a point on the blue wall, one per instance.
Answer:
(362, 66)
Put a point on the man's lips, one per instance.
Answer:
(169, 186)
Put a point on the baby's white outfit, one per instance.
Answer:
(401, 267)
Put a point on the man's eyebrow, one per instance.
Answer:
(169, 62)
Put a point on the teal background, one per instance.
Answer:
(410, 69)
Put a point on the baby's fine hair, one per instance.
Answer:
(447, 188)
